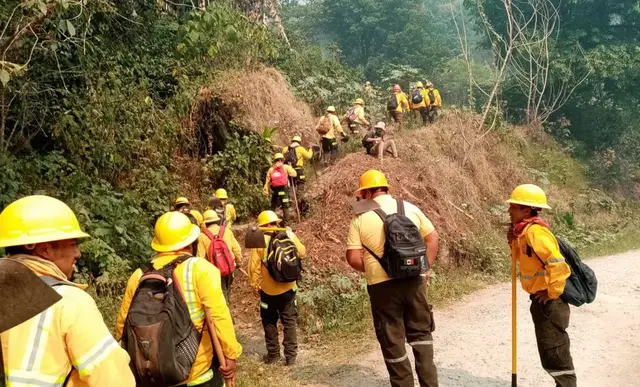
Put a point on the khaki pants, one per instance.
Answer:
(384, 146)
(551, 321)
(398, 118)
(401, 311)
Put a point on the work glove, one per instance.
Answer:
(345, 138)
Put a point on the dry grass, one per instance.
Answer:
(260, 99)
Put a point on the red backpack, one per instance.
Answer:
(219, 253)
(279, 177)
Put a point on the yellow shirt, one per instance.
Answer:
(259, 276)
(534, 276)
(367, 229)
(436, 95)
(403, 103)
(301, 153)
(232, 243)
(287, 168)
(230, 214)
(425, 100)
(42, 350)
(200, 282)
(336, 127)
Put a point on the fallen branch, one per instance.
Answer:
(461, 210)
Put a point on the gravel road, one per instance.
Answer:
(473, 337)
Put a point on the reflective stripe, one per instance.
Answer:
(555, 260)
(527, 277)
(538, 274)
(19, 378)
(202, 378)
(95, 355)
(430, 342)
(560, 373)
(398, 360)
(195, 312)
(541, 274)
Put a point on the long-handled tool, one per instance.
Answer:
(217, 346)
(295, 198)
(514, 332)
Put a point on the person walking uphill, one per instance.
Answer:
(397, 104)
(420, 101)
(295, 155)
(68, 343)
(277, 182)
(180, 350)
(543, 274)
(435, 101)
(230, 214)
(355, 117)
(218, 245)
(397, 276)
(182, 204)
(328, 125)
(277, 291)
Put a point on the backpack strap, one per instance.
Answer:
(221, 232)
(400, 207)
(381, 214)
(52, 282)
(208, 234)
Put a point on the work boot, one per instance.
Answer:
(272, 359)
(290, 361)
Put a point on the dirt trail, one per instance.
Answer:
(473, 336)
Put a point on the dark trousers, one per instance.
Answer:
(329, 149)
(401, 311)
(397, 118)
(300, 178)
(280, 199)
(433, 113)
(281, 307)
(226, 286)
(424, 113)
(551, 321)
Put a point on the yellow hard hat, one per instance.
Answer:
(429, 84)
(419, 84)
(267, 217)
(359, 101)
(296, 139)
(38, 219)
(211, 216)
(221, 193)
(331, 109)
(529, 195)
(181, 200)
(372, 179)
(174, 231)
(278, 156)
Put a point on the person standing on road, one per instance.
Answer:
(543, 274)
(399, 306)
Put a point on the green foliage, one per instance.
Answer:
(241, 168)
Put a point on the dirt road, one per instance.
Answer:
(472, 337)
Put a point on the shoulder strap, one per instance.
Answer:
(208, 234)
(381, 214)
(371, 252)
(221, 232)
(52, 281)
(400, 207)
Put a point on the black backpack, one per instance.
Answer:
(405, 253)
(432, 97)
(158, 332)
(291, 157)
(283, 261)
(368, 144)
(582, 285)
(392, 103)
(416, 97)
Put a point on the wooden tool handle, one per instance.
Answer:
(217, 347)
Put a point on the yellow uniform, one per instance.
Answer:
(204, 243)
(543, 247)
(425, 100)
(230, 214)
(200, 282)
(70, 337)
(366, 229)
(335, 126)
(301, 154)
(436, 94)
(259, 277)
(403, 103)
(287, 168)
